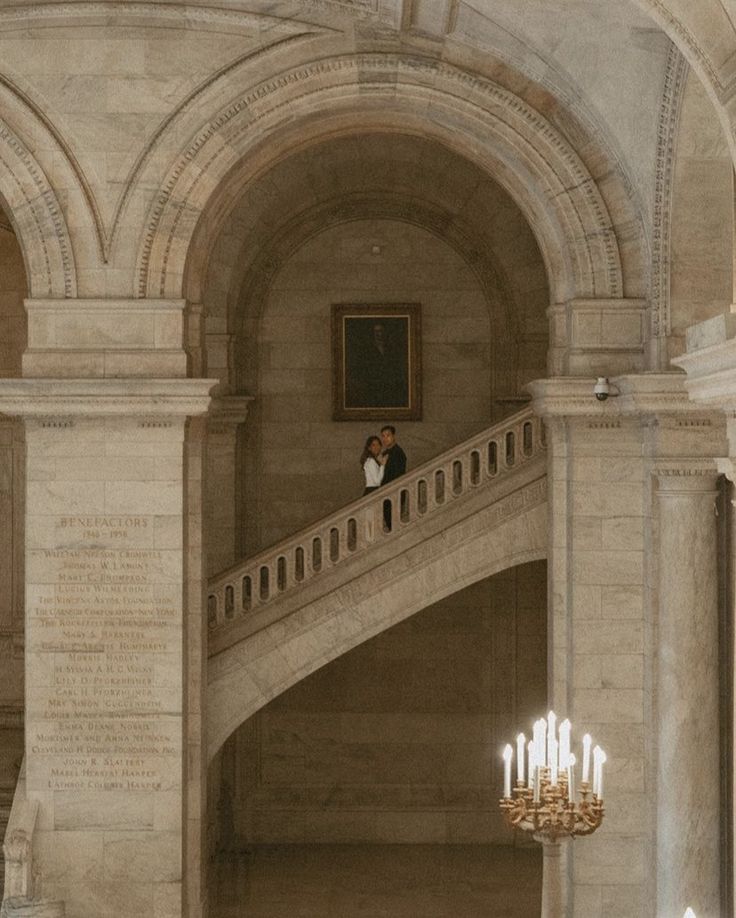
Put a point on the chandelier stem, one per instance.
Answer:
(553, 900)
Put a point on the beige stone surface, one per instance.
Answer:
(397, 740)
(580, 154)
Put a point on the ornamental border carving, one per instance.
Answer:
(669, 119)
(665, 14)
(37, 219)
(581, 212)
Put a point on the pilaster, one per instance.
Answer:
(688, 782)
(114, 652)
(107, 719)
(603, 565)
(226, 416)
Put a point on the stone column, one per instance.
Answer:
(710, 364)
(602, 649)
(114, 654)
(688, 785)
(106, 623)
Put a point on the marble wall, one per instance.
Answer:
(299, 464)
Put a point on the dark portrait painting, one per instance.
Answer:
(376, 362)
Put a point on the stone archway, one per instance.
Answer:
(580, 241)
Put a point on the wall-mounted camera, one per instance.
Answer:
(603, 389)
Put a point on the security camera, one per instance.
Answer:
(602, 388)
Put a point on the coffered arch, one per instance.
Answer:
(480, 120)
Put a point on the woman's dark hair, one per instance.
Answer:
(367, 448)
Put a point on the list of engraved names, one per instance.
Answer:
(105, 618)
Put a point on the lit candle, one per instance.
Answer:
(539, 728)
(689, 914)
(551, 737)
(507, 754)
(586, 758)
(537, 784)
(597, 765)
(571, 778)
(542, 747)
(531, 764)
(564, 743)
(553, 763)
(600, 774)
(520, 747)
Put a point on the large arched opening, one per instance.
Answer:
(374, 780)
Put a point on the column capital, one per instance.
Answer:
(686, 475)
(101, 398)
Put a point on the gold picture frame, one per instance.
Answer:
(376, 362)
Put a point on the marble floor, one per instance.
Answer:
(377, 881)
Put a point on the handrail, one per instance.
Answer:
(255, 582)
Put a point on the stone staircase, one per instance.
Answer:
(275, 617)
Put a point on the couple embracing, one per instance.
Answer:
(382, 459)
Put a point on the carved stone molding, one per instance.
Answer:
(54, 399)
(685, 475)
(37, 218)
(674, 25)
(669, 119)
(591, 249)
(638, 396)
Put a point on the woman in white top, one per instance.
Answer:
(373, 463)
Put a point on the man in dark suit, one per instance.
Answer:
(394, 468)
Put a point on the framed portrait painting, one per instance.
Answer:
(376, 362)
